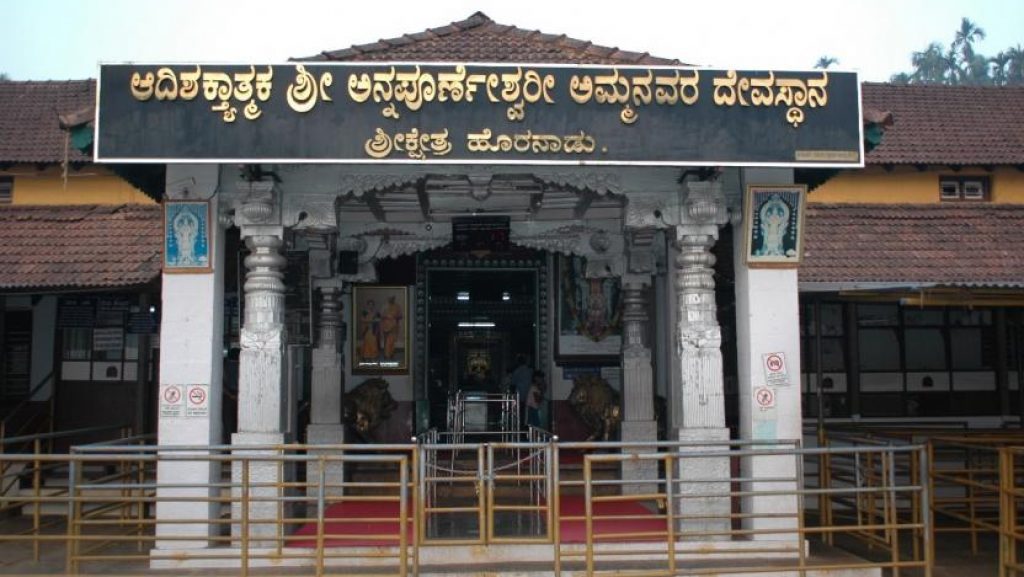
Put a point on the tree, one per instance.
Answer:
(4, 77)
(825, 62)
(960, 63)
(963, 41)
(931, 65)
(999, 63)
(1015, 65)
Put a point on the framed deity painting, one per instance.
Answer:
(588, 314)
(380, 330)
(187, 236)
(774, 225)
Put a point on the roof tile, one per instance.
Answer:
(959, 125)
(480, 39)
(29, 128)
(941, 244)
(79, 247)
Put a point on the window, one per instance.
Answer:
(100, 337)
(16, 354)
(953, 188)
(6, 189)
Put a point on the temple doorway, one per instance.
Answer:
(479, 320)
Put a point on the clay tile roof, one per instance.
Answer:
(480, 39)
(958, 125)
(940, 244)
(79, 247)
(29, 124)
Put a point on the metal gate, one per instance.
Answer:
(481, 493)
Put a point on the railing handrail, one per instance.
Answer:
(61, 434)
(28, 399)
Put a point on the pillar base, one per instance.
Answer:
(264, 515)
(641, 470)
(334, 471)
(698, 476)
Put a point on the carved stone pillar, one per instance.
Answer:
(637, 386)
(699, 337)
(261, 370)
(325, 427)
(261, 400)
(701, 410)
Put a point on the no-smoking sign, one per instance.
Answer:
(765, 398)
(198, 401)
(775, 372)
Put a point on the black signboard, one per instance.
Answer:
(480, 233)
(76, 312)
(477, 113)
(143, 323)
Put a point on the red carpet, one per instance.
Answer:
(575, 531)
(375, 523)
(344, 525)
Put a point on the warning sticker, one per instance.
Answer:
(172, 401)
(198, 397)
(765, 398)
(775, 372)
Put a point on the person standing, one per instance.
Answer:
(535, 399)
(522, 378)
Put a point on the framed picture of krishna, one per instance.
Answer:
(774, 222)
(588, 314)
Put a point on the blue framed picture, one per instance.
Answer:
(187, 236)
(774, 219)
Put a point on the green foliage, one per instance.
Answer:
(960, 64)
(825, 62)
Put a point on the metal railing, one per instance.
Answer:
(286, 507)
(972, 477)
(1011, 503)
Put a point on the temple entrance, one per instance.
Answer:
(479, 320)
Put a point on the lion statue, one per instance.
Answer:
(597, 405)
(368, 405)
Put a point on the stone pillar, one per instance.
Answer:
(191, 341)
(638, 422)
(261, 400)
(702, 410)
(768, 321)
(325, 427)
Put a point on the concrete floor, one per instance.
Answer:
(954, 559)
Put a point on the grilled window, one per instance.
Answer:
(6, 189)
(954, 188)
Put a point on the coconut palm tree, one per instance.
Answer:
(963, 41)
(999, 64)
(826, 61)
(932, 65)
(966, 67)
(1015, 65)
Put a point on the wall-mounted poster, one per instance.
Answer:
(380, 330)
(187, 236)
(774, 225)
(588, 314)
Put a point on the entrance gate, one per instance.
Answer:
(484, 493)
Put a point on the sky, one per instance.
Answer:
(67, 39)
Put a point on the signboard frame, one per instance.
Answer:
(848, 155)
